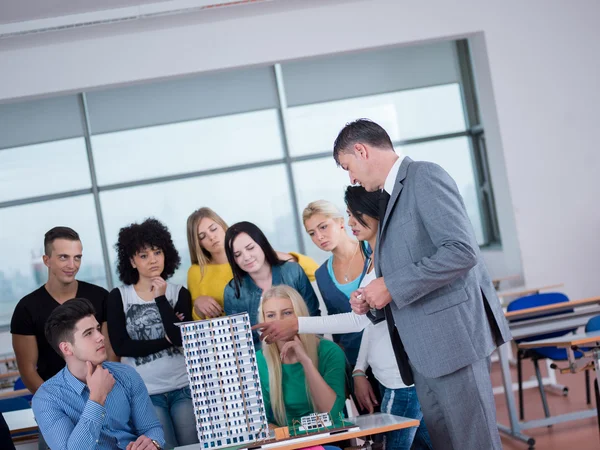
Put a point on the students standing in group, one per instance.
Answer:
(141, 322)
(210, 271)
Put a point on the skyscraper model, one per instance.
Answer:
(223, 377)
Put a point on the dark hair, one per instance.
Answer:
(61, 323)
(58, 233)
(364, 131)
(150, 233)
(360, 201)
(259, 237)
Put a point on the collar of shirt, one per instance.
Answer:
(390, 180)
(77, 385)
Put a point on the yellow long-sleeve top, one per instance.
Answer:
(216, 277)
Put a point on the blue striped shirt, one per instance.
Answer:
(69, 420)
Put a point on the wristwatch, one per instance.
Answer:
(156, 444)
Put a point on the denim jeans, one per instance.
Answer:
(404, 402)
(175, 411)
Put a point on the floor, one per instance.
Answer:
(574, 435)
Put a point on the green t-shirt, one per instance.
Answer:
(332, 367)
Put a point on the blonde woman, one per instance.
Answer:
(302, 375)
(341, 274)
(210, 272)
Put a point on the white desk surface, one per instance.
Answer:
(368, 424)
(568, 340)
(21, 420)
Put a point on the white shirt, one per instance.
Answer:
(375, 347)
(390, 180)
(376, 350)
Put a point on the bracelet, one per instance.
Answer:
(359, 374)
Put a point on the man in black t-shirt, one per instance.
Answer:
(36, 359)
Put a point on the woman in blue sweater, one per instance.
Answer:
(256, 268)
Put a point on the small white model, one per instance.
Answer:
(223, 377)
(315, 421)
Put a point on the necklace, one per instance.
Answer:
(346, 274)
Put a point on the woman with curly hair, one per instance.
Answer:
(141, 324)
(210, 272)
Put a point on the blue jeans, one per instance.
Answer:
(404, 402)
(175, 411)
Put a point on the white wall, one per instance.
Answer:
(539, 99)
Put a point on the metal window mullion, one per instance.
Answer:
(477, 133)
(283, 121)
(95, 191)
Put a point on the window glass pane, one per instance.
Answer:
(260, 196)
(187, 147)
(43, 169)
(22, 243)
(454, 155)
(404, 115)
(331, 187)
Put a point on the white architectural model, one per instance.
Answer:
(315, 421)
(224, 381)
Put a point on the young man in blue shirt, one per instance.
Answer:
(92, 403)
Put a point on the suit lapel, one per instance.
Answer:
(402, 171)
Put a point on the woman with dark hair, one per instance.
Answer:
(141, 324)
(256, 268)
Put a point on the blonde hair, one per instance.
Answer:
(323, 207)
(271, 351)
(199, 255)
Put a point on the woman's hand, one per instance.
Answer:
(364, 394)
(159, 287)
(207, 306)
(293, 352)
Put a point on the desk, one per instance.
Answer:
(369, 424)
(496, 281)
(20, 421)
(12, 394)
(582, 311)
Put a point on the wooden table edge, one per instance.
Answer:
(349, 435)
(555, 306)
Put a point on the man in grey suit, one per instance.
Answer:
(433, 284)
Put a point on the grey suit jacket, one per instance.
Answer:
(430, 261)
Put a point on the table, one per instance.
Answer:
(528, 325)
(20, 421)
(369, 424)
(496, 281)
(12, 394)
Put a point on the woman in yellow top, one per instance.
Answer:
(210, 272)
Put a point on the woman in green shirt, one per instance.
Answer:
(301, 376)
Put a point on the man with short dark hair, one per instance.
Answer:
(92, 403)
(433, 289)
(37, 361)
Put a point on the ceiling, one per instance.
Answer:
(24, 10)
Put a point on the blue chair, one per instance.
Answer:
(13, 404)
(593, 325)
(20, 385)
(536, 354)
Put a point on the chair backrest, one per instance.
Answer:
(536, 300)
(20, 385)
(13, 404)
(593, 324)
